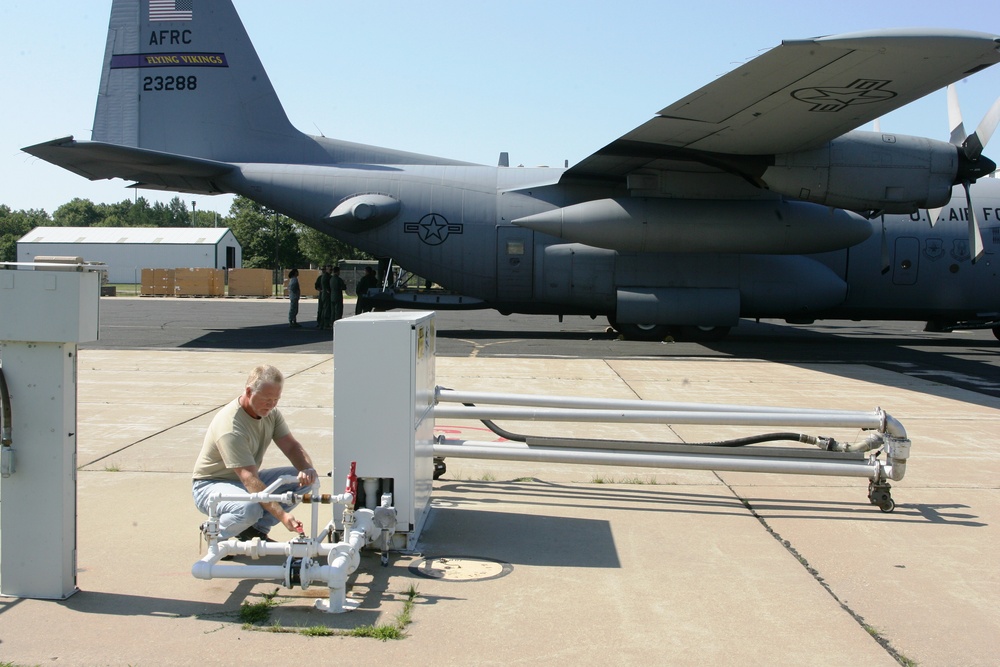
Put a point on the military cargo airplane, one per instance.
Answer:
(753, 197)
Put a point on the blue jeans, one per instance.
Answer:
(235, 516)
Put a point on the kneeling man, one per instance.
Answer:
(231, 456)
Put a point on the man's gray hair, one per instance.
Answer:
(264, 374)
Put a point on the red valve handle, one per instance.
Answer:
(352, 484)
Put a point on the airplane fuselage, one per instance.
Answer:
(454, 227)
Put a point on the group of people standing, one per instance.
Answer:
(330, 288)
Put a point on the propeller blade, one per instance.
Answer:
(933, 214)
(974, 145)
(955, 117)
(975, 238)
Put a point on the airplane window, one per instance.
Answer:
(515, 247)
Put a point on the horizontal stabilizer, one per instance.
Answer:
(152, 169)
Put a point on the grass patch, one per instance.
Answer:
(394, 630)
(255, 613)
(600, 479)
(383, 632)
(524, 479)
(487, 477)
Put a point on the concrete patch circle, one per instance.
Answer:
(460, 568)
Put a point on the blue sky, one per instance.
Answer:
(545, 81)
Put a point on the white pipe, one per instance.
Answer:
(841, 419)
(343, 559)
(891, 425)
(220, 571)
(281, 481)
(455, 396)
(734, 463)
(370, 485)
(897, 451)
(265, 496)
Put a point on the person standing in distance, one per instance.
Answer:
(367, 282)
(338, 286)
(294, 294)
(232, 453)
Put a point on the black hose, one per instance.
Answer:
(6, 422)
(735, 442)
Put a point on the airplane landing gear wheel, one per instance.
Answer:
(701, 334)
(644, 332)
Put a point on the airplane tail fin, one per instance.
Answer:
(182, 77)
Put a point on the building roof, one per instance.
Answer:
(128, 235)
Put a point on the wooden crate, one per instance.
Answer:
(157, 282)
(199, 282)
(250, 282)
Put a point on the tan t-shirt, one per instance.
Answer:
(235, 440)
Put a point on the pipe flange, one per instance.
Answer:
(337, 549)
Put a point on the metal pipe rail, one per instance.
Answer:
(886, 436)
(842, 465)
(444, 395)
(567, 408)
(862, 420)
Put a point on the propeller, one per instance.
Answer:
(972, 164)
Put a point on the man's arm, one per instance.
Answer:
(298, 457)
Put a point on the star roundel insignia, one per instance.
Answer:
(837, 98)
(432, 229)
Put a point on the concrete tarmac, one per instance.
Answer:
(555, 564)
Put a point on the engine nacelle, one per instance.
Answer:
(864, 171)
(364, 211)
(653, 224)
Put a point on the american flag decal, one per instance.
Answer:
(171, 10)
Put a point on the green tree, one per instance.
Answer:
(322, 249)
(78, 213)
(255, 226)
(209, 219)
(14, 225)
(179, 216)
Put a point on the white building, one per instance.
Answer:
(129, 250)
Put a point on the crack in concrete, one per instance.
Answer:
(858, 618)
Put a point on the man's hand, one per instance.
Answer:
(308, 477)
(291, 523)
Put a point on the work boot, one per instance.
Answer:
(251, 533)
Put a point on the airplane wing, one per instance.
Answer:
(796, 96)
(150, 169)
